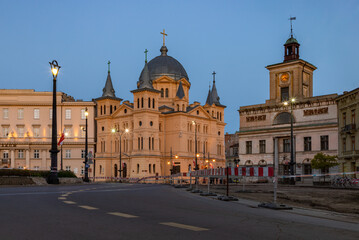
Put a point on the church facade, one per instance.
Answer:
(159, 132)
(265, 129)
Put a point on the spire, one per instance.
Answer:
(180, 92)
(145, 81)
(291, 46)
(291, 27)
(108, 90)
(215, 97)
(209, 96)
(164, 49)
(146, 51)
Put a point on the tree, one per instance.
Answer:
(324, 162)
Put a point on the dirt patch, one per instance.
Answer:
(338, 200)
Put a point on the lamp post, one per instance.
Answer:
(195, 144)
(291, 164)
(86, 178)
(119, 132)
(53, 178)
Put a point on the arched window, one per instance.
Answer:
(149, 168)
(167, 92)
(104, 109)
(220, 116)
(183, 108)
(141, 102)
(115, 170)
(248, 163)
(138, 168)
(100, 169)
(110, 109)
(177, 107)
(162, 93)
(282, 118)
(217, 115)
(149, 102)
(101, 110)
(149, 143)
(138, 103)
(153, 143)
(114, 108)
(153, 103)
(154, 168)
(262, 163)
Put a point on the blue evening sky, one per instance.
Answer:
(237, 39)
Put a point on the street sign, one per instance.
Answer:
(87, 165)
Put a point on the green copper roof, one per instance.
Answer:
(291, 40)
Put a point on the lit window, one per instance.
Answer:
(67, 131)
(36, 113)
(36, 168)
(83, 116)
(5, 131)
(68, 114)
(20, 132)
(36, 132)
(50, 113)
(83, 131)
(20, 113)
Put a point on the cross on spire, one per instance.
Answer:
(164, 36)
(291, 28)
(109, 65)
(214, 76)
(146, 51)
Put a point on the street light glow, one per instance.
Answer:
(285, 103)
(113, 130)
(54, 71)
(127, 130)
(292, 100)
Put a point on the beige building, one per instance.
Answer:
(231, 147)
(26, 120)
(163, 126)
(265, 128)
(348, 118)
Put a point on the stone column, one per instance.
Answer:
(27, 158)
(12, 159)
(43, 160)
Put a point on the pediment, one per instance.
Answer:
(123, 110)
(199, 111)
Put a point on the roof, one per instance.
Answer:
(108, 90)
(180, 92)
(165, 65)
(291, 40)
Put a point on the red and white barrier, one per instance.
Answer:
(235, 172)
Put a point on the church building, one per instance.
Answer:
(159, 132)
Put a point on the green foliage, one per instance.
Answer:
(323, 161)
(33, 173)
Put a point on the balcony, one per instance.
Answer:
(351, 154)
(349, 128)
(5, 161)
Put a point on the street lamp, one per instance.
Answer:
(291, 102)
(53, 178)
(114, 130)
(86, 178)
(195, 144)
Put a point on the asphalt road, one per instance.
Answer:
(124, 211)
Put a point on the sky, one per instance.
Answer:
(237, 39)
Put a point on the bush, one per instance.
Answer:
(33, 173)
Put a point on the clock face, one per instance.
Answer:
(284, 77)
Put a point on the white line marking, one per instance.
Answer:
(183, 226)
(122, 215)
(61, 198)
(69, 202)
(87, 207)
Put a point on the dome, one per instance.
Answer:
(165, 65)
(291, 40)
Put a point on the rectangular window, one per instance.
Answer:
(36, 131)
(248, 147)
(83, 153)
(353, 116)
(307, 143)
(36, 113)
(5, 131)
(83, 171)
(20, 113)
(68, 114)
(36, 154)
(284, 93)
(6, 155)
(20, 154)
(344, 118)
(20, 131)
(50, 113)
(262, 146)
(5, 113)
(68, 168)
(286, 145)
(324, 142)
(353, 143)
(36, 168)
(68, 153)
(344, 145)
(68, 131)
(83, 116)
(83, 131)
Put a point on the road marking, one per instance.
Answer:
(69, 202)
(87, 207)
(183, 226)
(64, 195)
(122, 215)
(61, 198)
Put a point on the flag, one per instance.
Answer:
(62, 138)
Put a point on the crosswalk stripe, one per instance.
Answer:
(125, 215)
(69, 202)
(87, 207)
(61, 198)
(183, 226)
